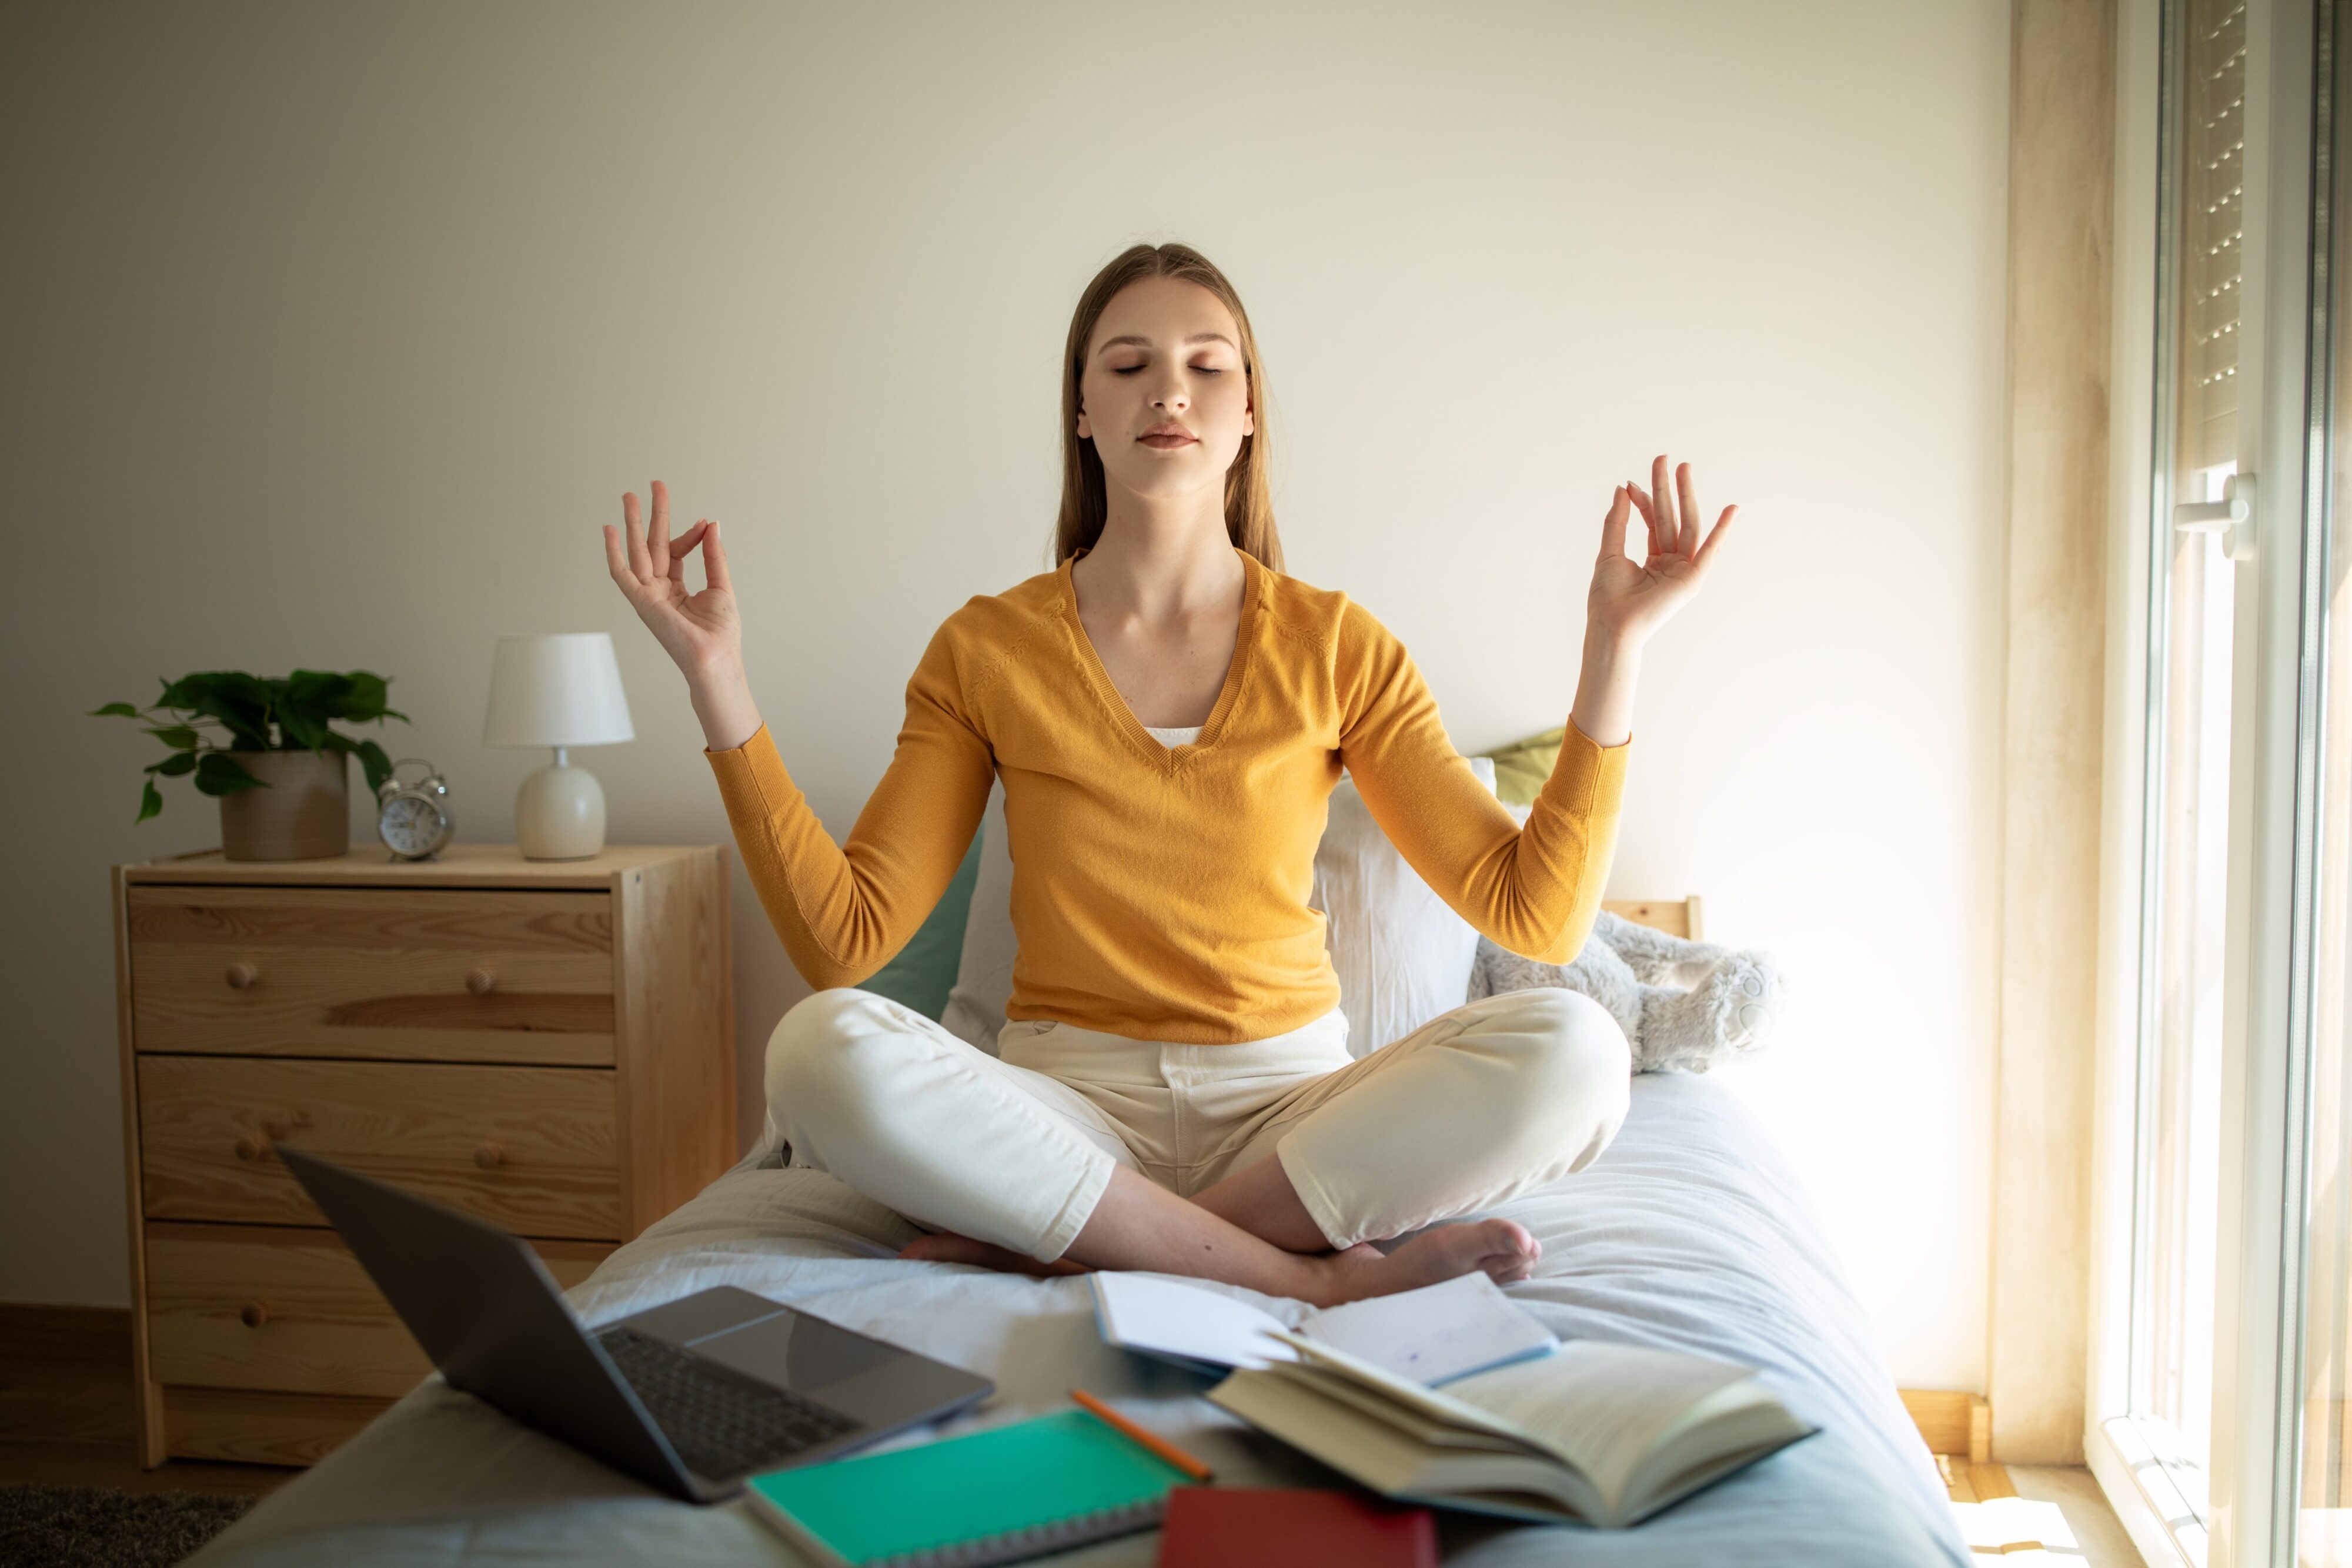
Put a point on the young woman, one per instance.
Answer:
(1169, 713)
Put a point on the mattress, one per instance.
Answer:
(1690, 1233)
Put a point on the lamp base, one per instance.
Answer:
(560, 813)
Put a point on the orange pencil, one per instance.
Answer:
(1158, 1445)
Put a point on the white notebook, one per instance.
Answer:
(1429, 1335)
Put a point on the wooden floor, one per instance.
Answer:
(66, 1411)
(2031, 1513)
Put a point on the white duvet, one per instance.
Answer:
(1689, 1233)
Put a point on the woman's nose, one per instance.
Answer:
(1171, 396)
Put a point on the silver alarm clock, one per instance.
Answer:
(414, 820)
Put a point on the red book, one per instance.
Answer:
(1243, 1527)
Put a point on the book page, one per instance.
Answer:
(1435, 1404)
(1387, 1458)
(1733, 1426)
(1161, 1317)
(1603, 1406)
(1424, 1428)
(1437, 1333)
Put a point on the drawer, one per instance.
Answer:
(534, 1149)
(415, 974)
(238, 1306)
(256, 1427)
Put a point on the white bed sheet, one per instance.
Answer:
(1690, 1232)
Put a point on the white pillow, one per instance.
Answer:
(1403, 956)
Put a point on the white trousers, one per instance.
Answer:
(1505, 1094)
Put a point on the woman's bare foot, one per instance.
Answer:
(1501, 1249)
(947, 1247)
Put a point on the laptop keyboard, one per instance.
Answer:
(722, 1424)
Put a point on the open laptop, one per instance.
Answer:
(690, 1397)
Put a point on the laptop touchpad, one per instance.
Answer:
(798, 1351)
(697, 1317)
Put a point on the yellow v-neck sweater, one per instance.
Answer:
(1162, 894)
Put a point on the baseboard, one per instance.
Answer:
(1954, 1424)
(45, 1328)
(65, 1373)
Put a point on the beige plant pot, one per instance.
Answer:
(304, 815)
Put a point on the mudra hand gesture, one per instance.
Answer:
(702, 632)
(1630, 599)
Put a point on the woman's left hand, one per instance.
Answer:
(1632, 598)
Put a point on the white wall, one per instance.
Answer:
(332, 333)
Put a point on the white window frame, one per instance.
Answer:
(2258, 1288)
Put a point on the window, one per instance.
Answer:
(2184, 864)
(2229, 1409)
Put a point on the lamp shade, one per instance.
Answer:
(559, 689)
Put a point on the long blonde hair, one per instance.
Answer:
(1249, 497)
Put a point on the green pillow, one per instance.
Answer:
(924, 972)
(1521, 768)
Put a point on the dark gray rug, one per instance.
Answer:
(99, 1527)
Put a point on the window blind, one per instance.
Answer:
(2213, 202)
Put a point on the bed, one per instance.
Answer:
(1690, 1233)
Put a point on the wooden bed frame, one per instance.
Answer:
(1674, 917)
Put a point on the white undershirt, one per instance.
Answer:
(1173, 738)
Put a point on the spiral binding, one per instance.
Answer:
(1035, 1541)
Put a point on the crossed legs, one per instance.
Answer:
(1019, 1170)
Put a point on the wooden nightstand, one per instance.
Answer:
(547, 1044)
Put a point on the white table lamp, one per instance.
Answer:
(560, 690)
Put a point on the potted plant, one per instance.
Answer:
(264, 748)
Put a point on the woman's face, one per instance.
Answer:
(1163, 395)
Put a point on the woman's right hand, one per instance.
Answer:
(701, 631)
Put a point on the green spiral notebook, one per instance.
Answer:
(996, 1496)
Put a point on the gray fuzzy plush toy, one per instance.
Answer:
(1683, 1005)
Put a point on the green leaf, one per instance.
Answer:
(318, 690)
(150, 802)
(114, 710)
(239, 700)
(303, 729)
(310, 698)
(172, 766)
(217, 773)
(178, 736)
(368, 699)
(378, 765)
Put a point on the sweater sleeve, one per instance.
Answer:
(844, 910)
(1535, 890)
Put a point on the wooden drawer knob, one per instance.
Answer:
(241, 977)
(481, 982)
(489, 1157)
(255, 1314)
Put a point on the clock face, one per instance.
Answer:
(412, 825)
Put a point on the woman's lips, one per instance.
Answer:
(1166, 438)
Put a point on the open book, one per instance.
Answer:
(1606, 1434)
(1429, 1335)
